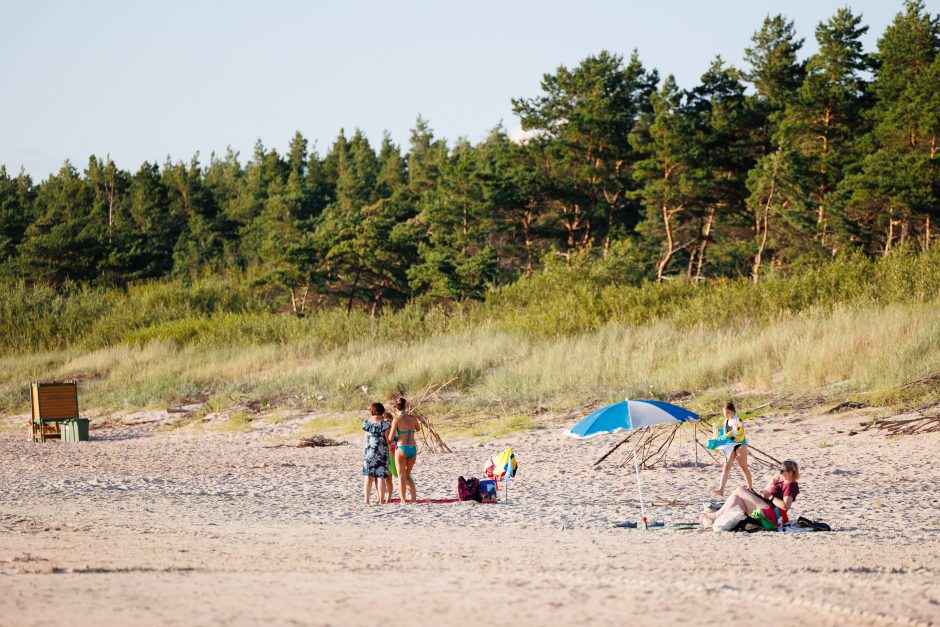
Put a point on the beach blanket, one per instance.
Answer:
(428, 501)
(660, 526)
(802, 524)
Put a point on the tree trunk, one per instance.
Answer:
(110, 193)
(762, 227)
(352, 292)
(670, 250)
(762, 222)
(890, 238)
(709, 221)
(572, 221)
(612, 201)
(527, 221)
(821, 215)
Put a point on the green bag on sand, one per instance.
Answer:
(392, 470)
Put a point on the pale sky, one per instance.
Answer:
(146, 80)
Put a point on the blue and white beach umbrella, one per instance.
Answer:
(626, 416)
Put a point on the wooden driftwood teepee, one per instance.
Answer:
(429, 437)
(652, 444)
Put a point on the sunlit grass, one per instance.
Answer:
(854, 328)
(238, 422)
(866, 350)
(348, 424)
(494, 428)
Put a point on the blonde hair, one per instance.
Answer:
(793, 467)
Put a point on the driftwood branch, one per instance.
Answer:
(664, 447)
(713, 457)
(908, 426)
(433, 443)
(314, 441)
(648, 439)
(616, 446)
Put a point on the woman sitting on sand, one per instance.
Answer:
(733, 444)
(402, 433)
(375, 464)
(772, 503)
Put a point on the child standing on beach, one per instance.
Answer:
(392, 471)
(375, 452)
(733, 444)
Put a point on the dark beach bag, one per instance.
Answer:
(815, 525)
(468, 489)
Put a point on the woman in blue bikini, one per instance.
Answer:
(404, 428)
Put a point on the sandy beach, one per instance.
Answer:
(141, 527)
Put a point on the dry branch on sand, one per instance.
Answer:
(932, 378)
(314, 441)
(908, 426)
(319, 440)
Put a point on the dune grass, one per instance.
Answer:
(848, 350)
(854, 327)
(238, 422)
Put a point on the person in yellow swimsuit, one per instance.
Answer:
(733, 443)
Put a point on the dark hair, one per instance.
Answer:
(377, 409)
(730, 407)
(401, 403)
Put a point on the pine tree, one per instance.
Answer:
(775, 198)
(778, 205)
(893, 196)
(824, 121)
(587, 115)
(455, 261)
(198, 247)
(424, 158)
(297, 157)
(776, 73)
(16, 214)
(512, 193)
(110, 188)
(147, 229)
(391, 179)
(671, 176)
(722, 121)
(353, 232)
(63, 242)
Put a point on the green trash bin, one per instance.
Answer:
(74, 430)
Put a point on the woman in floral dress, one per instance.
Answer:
(375, 464)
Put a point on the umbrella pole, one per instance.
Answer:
(639, 488)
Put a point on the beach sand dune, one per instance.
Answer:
(182, 528)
